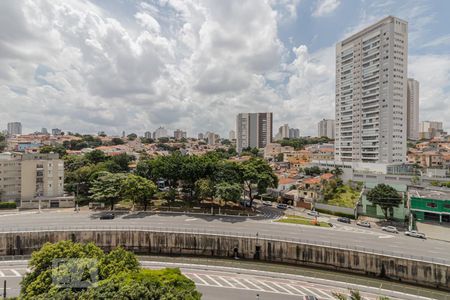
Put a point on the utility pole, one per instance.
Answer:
(4, 289)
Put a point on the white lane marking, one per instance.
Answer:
(311, 292)
(266, 285)
(297, 290)
(324, 293)
(191, 219)
(199, 278)
(226, 281)
(244, 286)
(2, 274)
(251, 283)
(283, 288)
(213, 280)
(15, 273)
(385, 236)
(16, 214)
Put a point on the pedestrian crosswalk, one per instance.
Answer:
(261, 284)
(16, 272)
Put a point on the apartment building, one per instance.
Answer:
(33, 179)
(179, 134)
(412, 109)
(371, 92)
(294, 133)
(326, 128)
(430, 129)
(161, 132)
(253, 130)
(14, 128)
(56, 131)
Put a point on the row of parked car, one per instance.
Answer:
(391, 229)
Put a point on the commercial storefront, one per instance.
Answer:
(431, 205)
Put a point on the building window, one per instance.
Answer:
(431, 204)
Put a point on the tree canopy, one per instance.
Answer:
(56, 149)
(385, 196)
(300, 143)
(257, 176)
(116, 275)
(107, 188)
(138, 189)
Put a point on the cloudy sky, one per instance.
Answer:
(194, 64)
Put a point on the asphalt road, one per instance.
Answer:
(221, 283)
(346, 236)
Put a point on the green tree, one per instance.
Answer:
(74, 162)
(132, 136)
(138, 189)
(116, 261)
(385, 196)
(257, 176)
(145, 284)
(280, 157)
(144, 169)
(95, 156)
(122, 160)
(80, 180)
(145, 140)
(204, 188)
(56, 149)
(337, 172)
(163, 140)
(107, 188)
(119, 275)
(312, 171)
(39, 280)
(354, 295)
(117, 141)
(229, 191)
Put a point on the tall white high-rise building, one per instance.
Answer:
(371, 87)
(14, 128)
(326, 128)
(294, 133)
(412, 108)
(253, 130)
(284, 131)
(160, 133)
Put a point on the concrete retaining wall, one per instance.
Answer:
(334, 208)
(147, 242)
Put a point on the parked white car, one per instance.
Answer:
(267, 203)
(363, 224)
(313, 213)
(415, 234)
(391, 229)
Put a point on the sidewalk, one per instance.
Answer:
(434, 231)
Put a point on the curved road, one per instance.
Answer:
(222, 283)
(341, 235)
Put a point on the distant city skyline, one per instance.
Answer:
(133, 65)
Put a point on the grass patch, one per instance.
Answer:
(344, 196)
(303, 221)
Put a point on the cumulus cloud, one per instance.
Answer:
(190, 64)
(325, 7)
